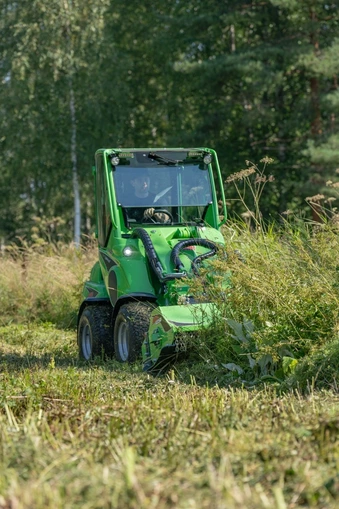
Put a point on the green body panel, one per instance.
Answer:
(124, 270)
(128, 276)
(133, 274)
(95, 287)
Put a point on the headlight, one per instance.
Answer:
(115, 161)
(127, 251)
(207, 158)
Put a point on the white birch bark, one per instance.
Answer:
(76, 188)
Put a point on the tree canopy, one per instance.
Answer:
(248, 78)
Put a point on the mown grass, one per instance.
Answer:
(106, 435)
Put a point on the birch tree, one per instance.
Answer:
(47, 57)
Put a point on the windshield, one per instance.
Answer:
(184, 190)
(162, 186)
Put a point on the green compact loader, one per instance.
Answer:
(157, 221)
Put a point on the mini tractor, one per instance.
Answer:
(157, 223)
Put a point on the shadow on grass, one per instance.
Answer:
(186, 371)
(17, 362)
(203, 374)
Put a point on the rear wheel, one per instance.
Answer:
(130, 329)
(95, 332)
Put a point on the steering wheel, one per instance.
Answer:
(161, 211)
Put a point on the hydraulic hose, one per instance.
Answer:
(153, 257)
(198, 259)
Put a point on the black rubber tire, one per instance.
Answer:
(95, 332)
(130, 329)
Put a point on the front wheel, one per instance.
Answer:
(130, 329)
(95, 332)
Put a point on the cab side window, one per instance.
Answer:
(103, 206)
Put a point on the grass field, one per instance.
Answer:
(106, 435)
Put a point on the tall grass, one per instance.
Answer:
(43, 283)
(283, 304)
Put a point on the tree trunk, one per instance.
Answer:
(314, 82)
(76, 189)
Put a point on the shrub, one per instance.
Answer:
(283, 303)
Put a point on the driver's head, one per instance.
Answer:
(141, 183)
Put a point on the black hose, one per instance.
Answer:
(155, 262)
(153, 257)
(198, 259)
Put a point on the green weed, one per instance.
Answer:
(283, 302)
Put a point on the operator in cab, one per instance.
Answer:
(140, 200)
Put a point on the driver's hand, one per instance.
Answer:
(161, 218)
(148, 213)
(157, 216)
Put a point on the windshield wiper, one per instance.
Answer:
(164, 160)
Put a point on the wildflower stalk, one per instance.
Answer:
(254, 180)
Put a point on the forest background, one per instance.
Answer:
(247, 78)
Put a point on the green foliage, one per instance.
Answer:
(319, 369)
(241, 77)
(288, 290)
